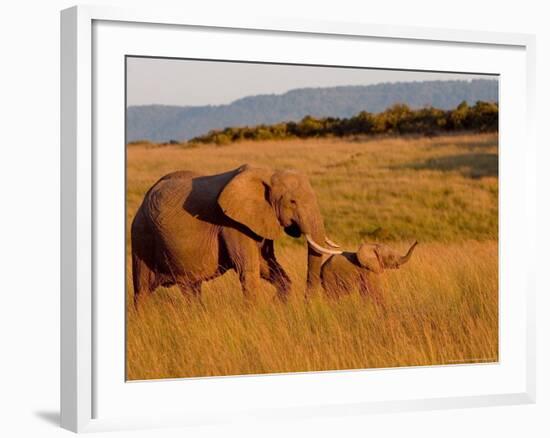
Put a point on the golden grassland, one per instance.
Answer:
(441, 308)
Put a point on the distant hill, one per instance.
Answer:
(163, 122)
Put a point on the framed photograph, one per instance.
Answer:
(277, 219)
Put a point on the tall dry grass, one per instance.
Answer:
(441, 308)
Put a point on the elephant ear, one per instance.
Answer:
(368, 257)
(245, 199)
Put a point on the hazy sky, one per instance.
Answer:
(183, 82)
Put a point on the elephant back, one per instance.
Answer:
(165, 199)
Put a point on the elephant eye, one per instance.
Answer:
(293, 202)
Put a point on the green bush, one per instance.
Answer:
(398, 119)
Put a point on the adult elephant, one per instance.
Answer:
(191, 228)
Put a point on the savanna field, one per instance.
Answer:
(441, 307)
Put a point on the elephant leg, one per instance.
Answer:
(272, 271)
(314, 262)
(249, 276)
(143, 280)
(247, 267)
(244, 254)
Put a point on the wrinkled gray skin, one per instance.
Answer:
(350, 271)
(191, 228)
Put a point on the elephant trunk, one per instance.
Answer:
(315, 236)
(404, 259)
(314, 262)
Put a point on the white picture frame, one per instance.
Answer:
(87, 377)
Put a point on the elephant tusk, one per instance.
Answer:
(331, 243)
(319, 248)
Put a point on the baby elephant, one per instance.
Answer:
(358, 271)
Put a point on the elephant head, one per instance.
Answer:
(268, 202)
(376, 257)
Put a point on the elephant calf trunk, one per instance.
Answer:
(404, 259)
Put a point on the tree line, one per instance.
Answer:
(398, 119)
